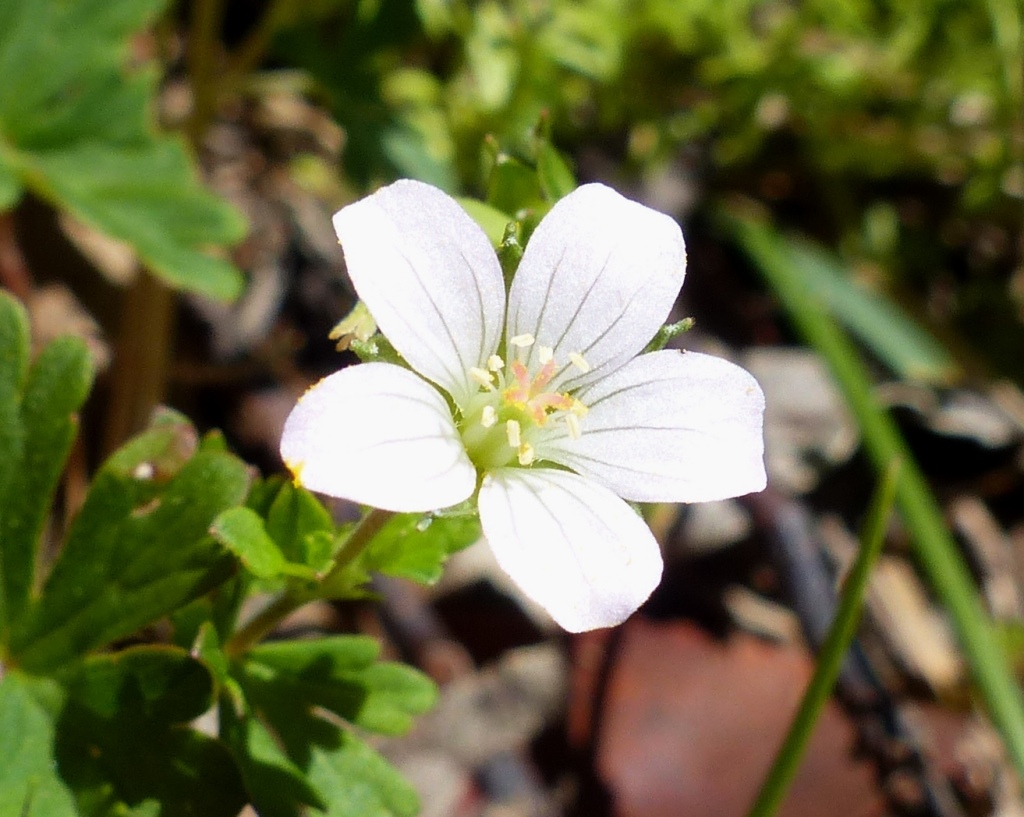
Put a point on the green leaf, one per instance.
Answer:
(414, 546)
(154, 683)
(148, 196)
(38, 423)
(276, 786)
(241, 530)
(77, 129)
(352, 778)
(29, 782)
(349, 777)
(340, 674)
(122, 743)
(138, 549)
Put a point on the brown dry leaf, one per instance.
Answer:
(55, 311)
(691, 725)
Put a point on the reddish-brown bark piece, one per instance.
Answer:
(690, 726)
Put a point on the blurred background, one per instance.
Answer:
(158, 160)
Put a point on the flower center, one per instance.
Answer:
(505, 419)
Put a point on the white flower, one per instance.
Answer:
(541, 400)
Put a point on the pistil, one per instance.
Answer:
(500, 424)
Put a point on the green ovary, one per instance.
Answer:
(488, 447)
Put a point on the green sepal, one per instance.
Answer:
(553, 173)
(510, 252)
(667, 333)
(377, 349)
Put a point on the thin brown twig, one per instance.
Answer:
(142, 362)
(203, 48)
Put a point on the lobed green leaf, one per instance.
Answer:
(347, 776)
(122, 744)
(38, 424)
(30, 785)
(276, 786)
(341, 675)
(138, 549)
(76, 129)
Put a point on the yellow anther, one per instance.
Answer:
(572, 422)
(578, 408)
(545, 354)
(488, 417)
(482, 376)
(522, 341)
(512, 431)
(526, 454)
(495, 363)
(579, 362)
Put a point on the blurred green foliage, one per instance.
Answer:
(77, 129)
(892, 131)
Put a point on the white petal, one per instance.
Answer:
(379, 435)
(670, 426)
(599, 277)
(429, 277)
(571, 545)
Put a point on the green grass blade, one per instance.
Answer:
(830, 659)
(878, 323)
(936, 550)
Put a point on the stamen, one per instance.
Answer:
(572, 422)
(522, 341)
(579, 362)
(545, 354)
(488, 417)
(482, 376)
(495, 363)
(512, 431)
(526, 454)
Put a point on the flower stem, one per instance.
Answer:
(280, 608)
